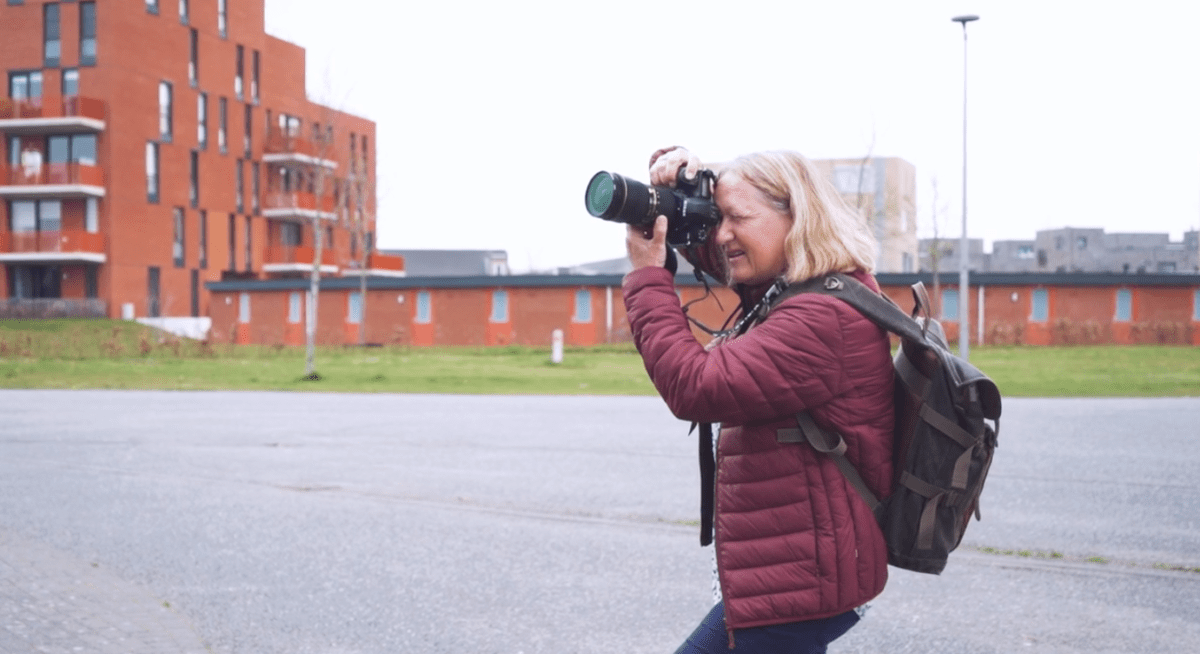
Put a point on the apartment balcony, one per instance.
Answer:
(296, 259)
(297, 204)
(283, 149)
(378, 265)
(70, 115)
(56, 180)
(66, 246)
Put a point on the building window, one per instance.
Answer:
(240, 72)
(164, 112)
(1167, 267)
(1196, 305)
(1081, 243)
(1025, 252)
(91, 283)
(177, 243)
(183, 12)
(77, 148)
(202, 121)
(254, 76)
(194, 59)
(1041, 305)
(424, 308)
(87, 34)
(151, 171)
(51, 35)
(152, 7)
(239, 188)
(365, 157)
(249, 243)
(232, 242)
(70, 82)
(499, 306)
(202, 240)
(290, 234)
(31, 216)
(295, 307)
(91, 217)
(153, 304)
(949, 304)
(223, 125)
(354, 308)
(25, 86)
(583, 306)
(1124, 305)
(222, 18)
(254, 173)
(248, 128)
(244, 308)
(194, 177)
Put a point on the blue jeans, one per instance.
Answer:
(807, 637)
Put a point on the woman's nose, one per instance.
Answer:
(724, 234)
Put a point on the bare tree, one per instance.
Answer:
(320, 174)
(359, 190)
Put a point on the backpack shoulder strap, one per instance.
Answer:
(877, 308)
(833, 445)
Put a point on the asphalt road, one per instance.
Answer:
(337, 524)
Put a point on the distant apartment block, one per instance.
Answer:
(452, 263)
(1074, 250)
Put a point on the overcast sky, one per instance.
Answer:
(492, 116)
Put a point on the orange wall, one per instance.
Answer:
(461, 316)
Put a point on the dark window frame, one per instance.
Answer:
(202, 240)
(153, 178)
(166, 112)
(179, 241)
(194, 178)
(194, 57)
(48, 26)
(87, 33)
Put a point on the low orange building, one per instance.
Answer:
(1017, 309)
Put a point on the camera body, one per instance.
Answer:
(691, 213)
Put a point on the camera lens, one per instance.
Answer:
(600, 193)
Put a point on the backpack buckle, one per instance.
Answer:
(833, 284)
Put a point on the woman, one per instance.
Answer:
(797, 550)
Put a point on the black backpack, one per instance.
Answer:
(943, 442)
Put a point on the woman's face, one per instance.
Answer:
(752, 232)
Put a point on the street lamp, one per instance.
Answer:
(964, 288)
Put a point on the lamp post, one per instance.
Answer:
(964, 275)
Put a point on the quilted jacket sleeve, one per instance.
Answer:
(804, 354)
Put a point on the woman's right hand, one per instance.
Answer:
(665, 165)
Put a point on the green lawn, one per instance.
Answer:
(116, 354)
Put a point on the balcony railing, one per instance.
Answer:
(51, 174)
(280, 143)
(23, 309)
(296, 254)
(67, 240)
(69, 107)
(296, 201)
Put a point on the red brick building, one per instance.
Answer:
(1012, 308)
(152, 147)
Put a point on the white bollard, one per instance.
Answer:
(556, 346)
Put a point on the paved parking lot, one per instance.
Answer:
(260, 522)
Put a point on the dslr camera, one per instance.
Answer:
(691, 213)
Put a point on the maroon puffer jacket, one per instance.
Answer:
(794, 541)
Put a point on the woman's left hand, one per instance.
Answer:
(647, 248)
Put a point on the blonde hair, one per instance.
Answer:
(827, 235)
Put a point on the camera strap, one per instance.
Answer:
(708, 462)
